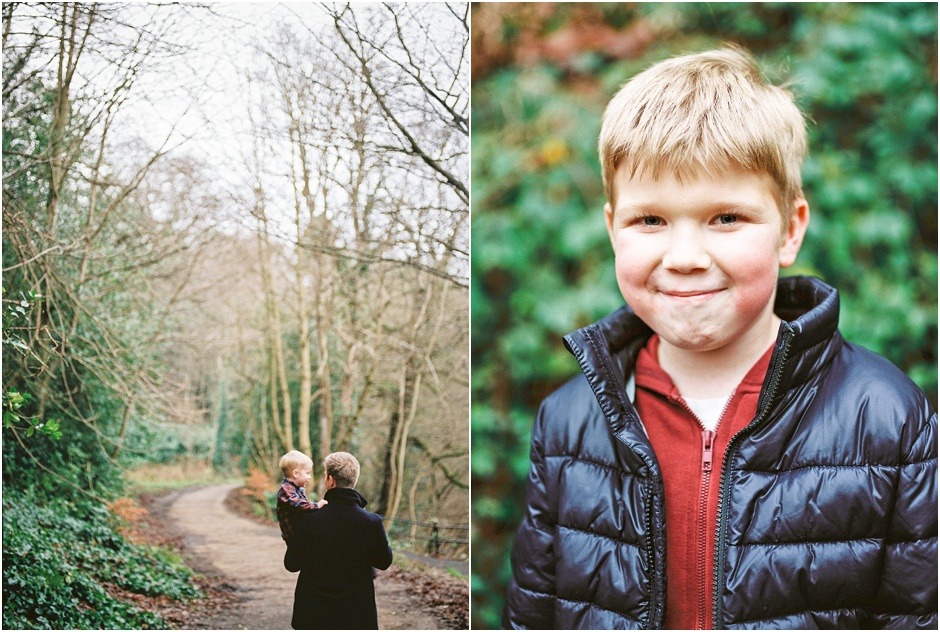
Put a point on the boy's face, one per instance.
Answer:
(698, 260)
(302, 475)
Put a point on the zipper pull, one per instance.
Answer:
(708, 442)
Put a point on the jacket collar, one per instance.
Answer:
(344, 496)
(808, 338)
(606, 352)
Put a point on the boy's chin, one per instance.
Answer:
(696, 342)
(702, 347)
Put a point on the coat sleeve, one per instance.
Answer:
(530, 600)
(381, 557)
(907, 597)
(296, 546)
(293, 557)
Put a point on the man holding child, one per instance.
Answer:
(335, 548)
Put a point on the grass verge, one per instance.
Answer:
(156, 478)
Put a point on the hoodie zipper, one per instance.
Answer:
(708, 444)
(708, 448)
(763, 407)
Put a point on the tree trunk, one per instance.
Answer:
(306, 372)
(385, 495)
(282, 425)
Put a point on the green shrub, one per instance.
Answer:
(57, 558)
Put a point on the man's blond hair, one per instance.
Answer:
(705, 114)
(343, 467)
(293, 460)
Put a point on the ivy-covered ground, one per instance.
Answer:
(65, 566)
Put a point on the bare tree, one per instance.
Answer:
(371, 241)
(413, 61)
(77, 230)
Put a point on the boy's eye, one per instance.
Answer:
(727, 218)
(651, 220)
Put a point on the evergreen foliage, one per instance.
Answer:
(58, 559)
(67, 354)
(61, 548)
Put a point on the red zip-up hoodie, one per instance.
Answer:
(690, 458)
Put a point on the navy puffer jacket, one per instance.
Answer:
(828, 502)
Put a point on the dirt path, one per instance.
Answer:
(250, 556)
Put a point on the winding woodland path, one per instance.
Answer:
(250, 557)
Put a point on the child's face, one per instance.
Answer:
(698, 260)
(303, 475)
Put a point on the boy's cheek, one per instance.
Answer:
(635, 260)
(756, 284)
(631, 281)
(754, 297)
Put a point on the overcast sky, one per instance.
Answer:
(200, 99)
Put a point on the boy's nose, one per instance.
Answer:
(686, 252)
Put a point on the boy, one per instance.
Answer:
(292, 495)
(727, 459)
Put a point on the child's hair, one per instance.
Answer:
(343, 467)
(705, 113)
(292, 461)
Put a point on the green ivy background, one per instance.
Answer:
(864, 74)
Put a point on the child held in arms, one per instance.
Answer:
(726, 459)
(292, 495)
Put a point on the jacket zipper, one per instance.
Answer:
(763, 408)
(654, 620)
(657, 601)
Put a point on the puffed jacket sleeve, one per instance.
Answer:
(907, 596)
(530, 600)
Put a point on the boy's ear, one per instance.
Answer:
(609, 219)
(793, 236)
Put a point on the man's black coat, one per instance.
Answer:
(335, 549)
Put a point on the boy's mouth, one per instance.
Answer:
(689, 293)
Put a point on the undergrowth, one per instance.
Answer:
(155, 478)
(57, 559)
(260, 494)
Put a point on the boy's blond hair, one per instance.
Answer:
(704, 114)
(343, 467)
(293, 460)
